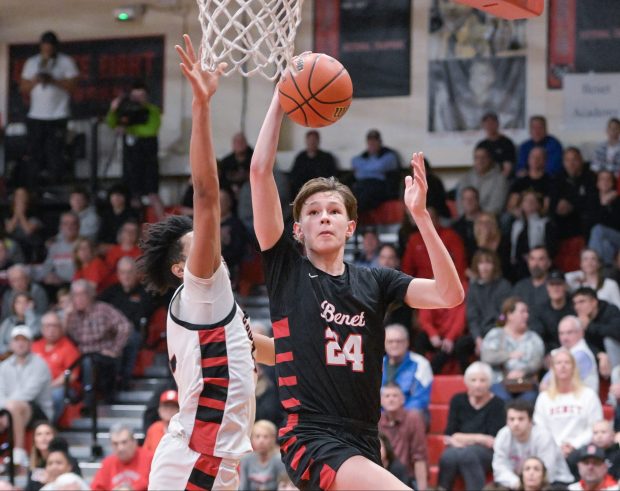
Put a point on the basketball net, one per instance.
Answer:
(252, 36)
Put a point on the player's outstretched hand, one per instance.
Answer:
(204, 82)
(416, 186)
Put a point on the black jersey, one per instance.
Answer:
(328, 331)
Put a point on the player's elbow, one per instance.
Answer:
(455, 296)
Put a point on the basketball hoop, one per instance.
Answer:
(252, 36)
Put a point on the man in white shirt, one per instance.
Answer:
(521, 439)
(47, 80)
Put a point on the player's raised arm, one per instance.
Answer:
(268, 221)
(445, 290)
(205, 253)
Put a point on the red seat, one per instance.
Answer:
(567, 256)
(603, 389)
(250, 273)
(438, 418)
(608, 412)
(389, 212)
(435, 446)
(445, 387)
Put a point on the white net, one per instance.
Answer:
(252, 36)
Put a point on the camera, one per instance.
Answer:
(130, 112)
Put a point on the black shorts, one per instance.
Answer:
(37, 414)
(314, 447)
(140, 166)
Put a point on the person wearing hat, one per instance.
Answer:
(593, 471)
(168, 407)
(25, 389)
(48, 79)
(546, 315)
(371, 169)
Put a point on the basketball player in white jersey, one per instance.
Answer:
(210, 346)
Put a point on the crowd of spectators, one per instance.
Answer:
(533, 338)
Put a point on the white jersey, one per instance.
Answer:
(48, 101)
(210, 353)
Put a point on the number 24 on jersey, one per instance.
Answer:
(350, 352)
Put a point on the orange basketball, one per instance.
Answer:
(317, 91)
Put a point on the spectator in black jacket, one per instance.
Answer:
(573, 188)
(129, 297)
(600, 321)
(546, 316)
(311, 162)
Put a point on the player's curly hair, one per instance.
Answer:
(162, 248)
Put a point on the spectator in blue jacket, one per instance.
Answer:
(411, 371)
(540, 138)
(371, 170)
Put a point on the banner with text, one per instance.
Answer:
(371, 38)
(107, 68)
(582, 37)
(591, 99)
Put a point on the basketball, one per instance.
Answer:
(317, 91)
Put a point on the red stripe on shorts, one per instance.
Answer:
(288, 443)
(287, 381)
(221, 382)
(216, 361)
(291, 421)
(212, 403)
(289, 403)
(216, 335)
(208, 464)
(192, 487)
(280, 329)
(306, 474)
(203, 437)
(298, 455)
(327, 477)
(286, 356)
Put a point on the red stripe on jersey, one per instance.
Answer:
(286, 356)
(289, 403)
(288, 443)
(280, 329)
(216, 361)
(212, 403)
(203, 437)
(221, 382)
(298, 455)
(287, 381)
(192, 487)
(291, 421)
(208, 464)
(327, 477)
(217, 335)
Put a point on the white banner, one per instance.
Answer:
(590, 99)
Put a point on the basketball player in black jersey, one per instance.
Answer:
(327, 318)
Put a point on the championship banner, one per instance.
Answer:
(583, 37)
(107, 68)
(371, 38)
(477, 64)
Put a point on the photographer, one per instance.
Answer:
(47, 80)
(139, 121)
